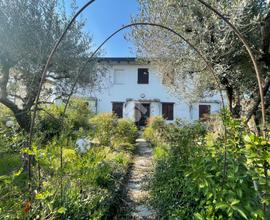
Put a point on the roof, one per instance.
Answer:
(121, 59)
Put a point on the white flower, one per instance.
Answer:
(83, 145)
(9, 124)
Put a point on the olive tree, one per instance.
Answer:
(28, 31)
(216, 40)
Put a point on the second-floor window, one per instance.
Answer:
(143, 76)
(117, 108)
(119, 76)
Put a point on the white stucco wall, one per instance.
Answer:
(125, 86)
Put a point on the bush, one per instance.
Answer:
(78, 114)
(125, 133)
(5, 115)
(49, 124)
(155, 129)
(189, 181)
(104, 127)
(76, 118)
(111, 131)
(11, 137)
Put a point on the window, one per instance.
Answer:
(117, 108)
(143, 76)
(167, 111)
(119, 76)
(204, 111)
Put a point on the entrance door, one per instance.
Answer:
(142, 113)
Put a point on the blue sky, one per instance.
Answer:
(105, 16)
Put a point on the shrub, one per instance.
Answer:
(189, 181)
(125, 133)
(155, 129)
(104, 127)
(49, 124)
(5, 114)
(78, 113)
(76, 118)
(90, 181)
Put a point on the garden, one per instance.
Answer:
(201, 172)
(82, 183)
(62, 158)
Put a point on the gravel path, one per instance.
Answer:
(137, 194)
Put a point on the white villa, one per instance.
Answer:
(134, 91)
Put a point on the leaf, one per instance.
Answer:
(43, 195)
(234, 202)
(247, 139)
(198, 216)
(61, 210)
(241, 212)
(221, 205)
(18, 173)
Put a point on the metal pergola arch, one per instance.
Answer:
(44, 72)
(235, 30)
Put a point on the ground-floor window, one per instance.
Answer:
(117, 108)
(167, 110)
(204, 111)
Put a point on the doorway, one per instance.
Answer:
(142, 113)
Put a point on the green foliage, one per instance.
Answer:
(154, 130)
(193, 181)
(78, 114)
(109, 130)
(125, 133)
(9, 162)
(11, 138)
(104, 125)
(5, 114)
(88, 184)
(49, 124)
(77, 117)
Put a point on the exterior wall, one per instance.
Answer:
(124, 88)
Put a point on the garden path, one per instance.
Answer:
(137, 194)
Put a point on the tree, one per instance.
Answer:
(28, 31)
(215, 39)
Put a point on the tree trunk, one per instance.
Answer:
(22, 116)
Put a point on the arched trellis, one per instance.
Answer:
(44, 73)
(209, 67)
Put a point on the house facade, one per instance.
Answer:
(133, 90)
